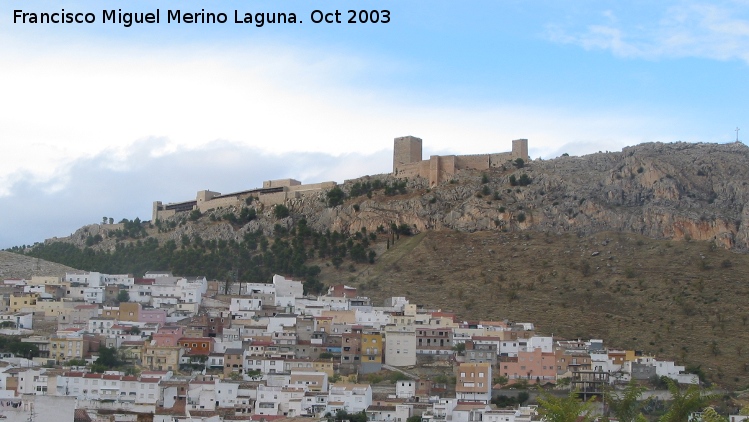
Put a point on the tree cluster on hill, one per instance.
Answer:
(254, 259)
(131, 229)
(336, 195)
(627, 405)
(13, 344)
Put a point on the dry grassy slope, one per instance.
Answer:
(681, 300)
(18, 266)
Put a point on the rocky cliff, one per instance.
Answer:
(672, 191)
(677, 191)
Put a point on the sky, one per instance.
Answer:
(100, 120)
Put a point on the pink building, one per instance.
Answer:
(534, 367)
(168, 336)
(157, 316)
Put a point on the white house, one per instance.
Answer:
(372, 318)
(389, 413)
(245, 307)
(405, 389)
(227, 393)
(287, 288)
(21, 320)
(269, 400)
(201, 395)
(352, 398)
(93, 294)
(400, 345)
(509, 348)
(110, 386)
(32, 381)
(545, 343)
(101, 325)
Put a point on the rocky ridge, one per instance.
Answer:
(670, 191)
(679, 191)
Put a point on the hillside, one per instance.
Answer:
(643, 248)
(18, 266)
(679, 300)
(668, 191)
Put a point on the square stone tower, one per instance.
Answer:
(520, 149)
(407, 150)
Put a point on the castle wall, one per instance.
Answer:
(423, 169)
(220, 203)
(442, 168)
(473, 162)
(158, 213)
(497, 160)
(313, 187)
(164, 214)
(412, 169)
(275, 198)
(280, 183)
(206, 195)
(208, 200)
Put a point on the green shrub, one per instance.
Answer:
(280, 211)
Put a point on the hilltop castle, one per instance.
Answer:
(408, 162)
(273, 192)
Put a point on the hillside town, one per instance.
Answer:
(100, 347)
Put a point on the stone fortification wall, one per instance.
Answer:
(160, 215)
(279, 191)
(294, 192)
(441, 168)
(411, 169)
(274, 198)
(497, 160)
(407, 160)
(222, 202)
(280, 183)
(205, 196)
(312, 187)
(474, 162)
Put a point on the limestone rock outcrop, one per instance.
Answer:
(677, 191)
(674, 191)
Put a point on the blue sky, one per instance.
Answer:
(92, 114)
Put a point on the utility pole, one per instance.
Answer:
(737, 134)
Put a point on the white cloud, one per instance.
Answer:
(126, 186)
(687, 29)
(59, 107)
(88, 131)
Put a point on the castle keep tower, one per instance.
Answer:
(407, 160)
(520, 149)
(407, 150)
